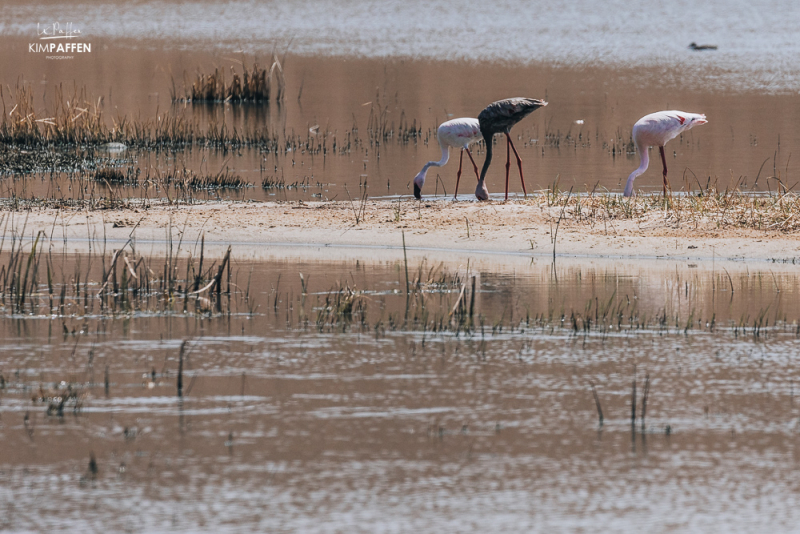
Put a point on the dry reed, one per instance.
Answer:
(710, 208)
(254, 85)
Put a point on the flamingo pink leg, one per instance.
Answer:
(473, 164)
(664, 161)
(519, 164)
(458, 174)
(508, 161)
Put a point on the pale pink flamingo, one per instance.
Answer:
(455, 133)
(499, 117)
(655, 130)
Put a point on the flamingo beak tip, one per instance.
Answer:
(417, 192)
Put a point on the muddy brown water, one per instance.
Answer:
(398, 413)
(396, 418)
(577, 141)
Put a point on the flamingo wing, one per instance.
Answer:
(500, 116)
(657, 128)
(459, 133)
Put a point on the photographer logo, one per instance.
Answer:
(57, 38)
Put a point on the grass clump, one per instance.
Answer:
(187, 180)
(112, 176)
(254, 85)
(709, 208)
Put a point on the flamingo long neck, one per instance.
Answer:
(488, 159)
(645, 155)
(440, 163)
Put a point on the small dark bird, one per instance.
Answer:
(92, 466)
(695, 46)
(499, 117)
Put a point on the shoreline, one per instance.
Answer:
(516, 228)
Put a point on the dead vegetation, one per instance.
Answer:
(33, 280)
(187, 180)
(710, 208)
(253, 85)
(60, 396)
(29, 137)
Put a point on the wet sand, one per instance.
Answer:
(523, 228)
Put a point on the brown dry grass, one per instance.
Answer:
(710, 209)
(253, 85)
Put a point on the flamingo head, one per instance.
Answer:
(419, 181)
(692, 119)
(697, 119)
(481, 192)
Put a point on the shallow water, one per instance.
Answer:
(399, 419)
(400, 412)
(600, 69)
(757, 48)
(748, 145)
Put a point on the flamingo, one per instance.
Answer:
(455, 133)
(500, 117)
(655, 130)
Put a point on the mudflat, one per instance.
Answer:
(568, 225)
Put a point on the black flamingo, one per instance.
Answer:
(499, 117)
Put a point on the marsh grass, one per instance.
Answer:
(64, 138)
(59, 397)
(71, 118)
(708, 208)
(114, 176)
(443, 302)
(273, 183)
(359, 207)
(35, 281)
(341, 307)
(439, 302)
(76, 120)
(253, 85)
(118, 184)
(188, 180)
(381, 127)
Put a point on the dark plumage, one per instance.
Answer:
(499, 117)
(695, 46)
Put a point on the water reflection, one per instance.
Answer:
(326, 398)
(327, 132)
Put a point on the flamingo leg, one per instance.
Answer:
(664, 161)
(473, 164)
(519, 164)
(508, 161)
(458, 174)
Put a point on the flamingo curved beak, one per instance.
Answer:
(417, 192)
(702, 121)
